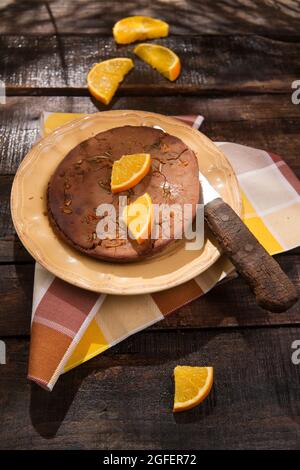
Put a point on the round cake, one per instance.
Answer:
(81, 183)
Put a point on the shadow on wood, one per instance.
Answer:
(186, 17)
(48, 409)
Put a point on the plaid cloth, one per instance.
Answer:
(71, 325)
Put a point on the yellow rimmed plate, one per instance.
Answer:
(168, 269)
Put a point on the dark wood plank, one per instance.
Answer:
(100, 404)
(231, 304)
(16, 292)
(209, 64)
(271, 122)
(123, 398)
(186, 17)
(228, 305)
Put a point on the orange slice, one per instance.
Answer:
(136, 28)
(192, 385)
(160, 58)
(104, 78)
(129, 171)
(139, 216)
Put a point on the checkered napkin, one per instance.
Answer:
(71, 325)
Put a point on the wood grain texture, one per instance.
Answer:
(269, 122)
(11, 249)
(16, 289)
(53, 64)
(273, 290)
(228, 305)
(122, 399)
(185, 16)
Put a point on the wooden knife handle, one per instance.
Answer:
(271, 286)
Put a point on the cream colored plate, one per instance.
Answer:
(28, 204)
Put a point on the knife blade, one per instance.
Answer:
(272, 288)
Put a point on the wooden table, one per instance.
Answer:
(239, 61)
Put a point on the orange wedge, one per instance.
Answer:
(160, 58)
(129, 171)
(104, 78)
(139, 216)
(192, 385)
(135, 28)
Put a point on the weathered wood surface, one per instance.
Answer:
(229, 305)
(123, 398)
(41, 65)
(185, 16)
(241, 82)
(270, 122)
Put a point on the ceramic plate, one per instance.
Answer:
(165, 270)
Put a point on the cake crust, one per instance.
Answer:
(81, 183)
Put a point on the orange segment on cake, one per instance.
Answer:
(129, 171)
(138, 216)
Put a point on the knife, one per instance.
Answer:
(272, 288)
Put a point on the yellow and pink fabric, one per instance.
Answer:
(71, 325)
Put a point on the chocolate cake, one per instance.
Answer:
(81, 183)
